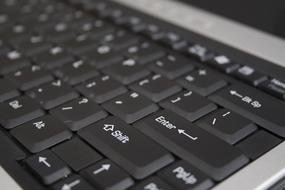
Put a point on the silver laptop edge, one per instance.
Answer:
(269, 168)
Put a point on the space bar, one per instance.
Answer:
(263, 109)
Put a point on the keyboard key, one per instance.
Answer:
(106, 175)
(254, 105)
(156, 87)
(79, 113)
(41, 133)
(207, 152)
(172, 66)
(130, 107)
(18, 111)
(76, 72)
(53, 94)
(189, 105)
(154, 183)
(48, 167)
(53, 58)
(145, 52)
(223, 63)
(199, 52)
(12, 61)
(103, 56)
(123, 142)
(29, 77)
(229, 126)
(203, 81)
(127, 71)
(7, 90)
(70, 150)
(258, 144)
(275, 87)
(249, 75)
(102, 89)
(74, 182)
(182, 175)
(173, 40)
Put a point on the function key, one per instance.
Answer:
(106, 175)
(203, 81)
(74, 182)
(189, 105)
(172, 66)
(130, 107)
(227, 125)
(41, 133)
(258, 144)
(223, 63)
(79, 113)
(182, 175)
(130, 149)
(152, 31)
(48, 167)
(18, 110)
(249, 75)
(173, 41)
(275, 87)
(199, 52)
(70, 150)
(156, 87)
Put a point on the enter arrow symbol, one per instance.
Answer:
(105, 167)
(44, 161)
(181, 131)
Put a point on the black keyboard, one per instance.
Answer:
(96, 96)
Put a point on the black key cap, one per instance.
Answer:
(275, 87)
(48, 167)
(70, 150)
(41, 133)
(74, 182)
(102, 56)
(145, 52)
(12, 61)
(7, 90)
(53, 94)
(254, 105)
(153, 183)
(18, 111)
(127, 71)
(172, 66)
(199, 52)
(184, 176)
(223, 63)
(123, 142)
(106, 175)
(102, 89)
(156, 87)
(76, 72)
(189, 105)
(203, 81)
(130, 107)
(229, 126)
(249, 75)
(190, 142)
(258, 144)
(173, 40)
(53, 58)
(29, 77)
(79, 113)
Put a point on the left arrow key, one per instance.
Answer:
(48, 167)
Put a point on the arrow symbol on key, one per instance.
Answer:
(44, 161)
(105, 167)
(71, 185)
(181, 131)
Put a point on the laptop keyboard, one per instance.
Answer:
(100, 99)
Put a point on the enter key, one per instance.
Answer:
(207, 152)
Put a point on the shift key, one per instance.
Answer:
(262, 109)
(139, 155)
(205, 151)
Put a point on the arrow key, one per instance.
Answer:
(73, 183)
(106, 175)
(48, 167)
